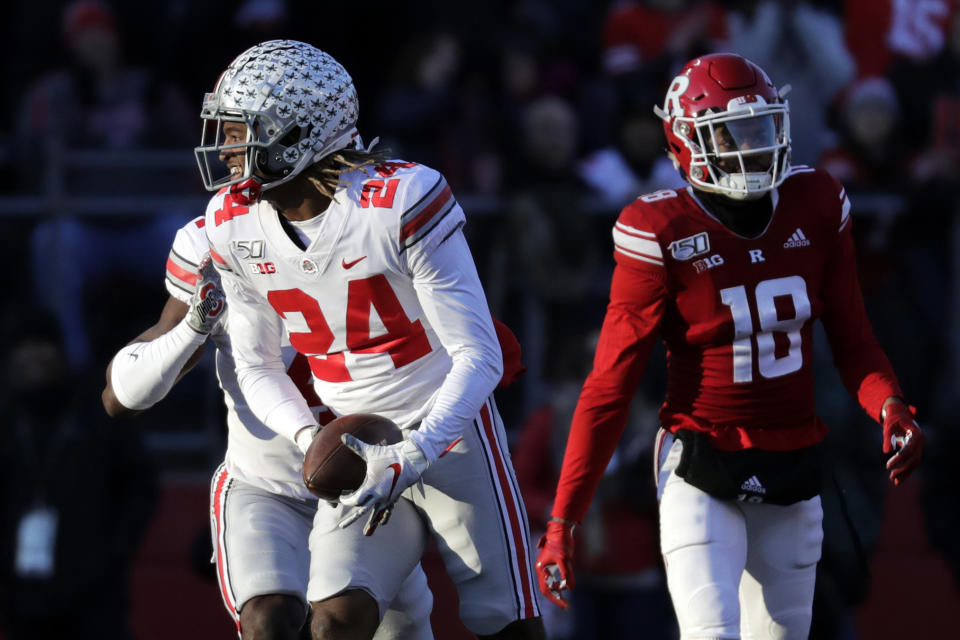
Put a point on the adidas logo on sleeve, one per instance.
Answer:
(798, 239)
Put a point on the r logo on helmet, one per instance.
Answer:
(678, 87)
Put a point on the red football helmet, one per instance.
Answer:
(727, 126)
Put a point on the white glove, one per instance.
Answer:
(207, 303)
(390, 470)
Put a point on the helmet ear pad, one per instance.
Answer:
(273, 161)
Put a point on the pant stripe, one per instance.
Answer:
(496, 494)
(510, 515)
(657, 448)
(221, 487)
(530, 580)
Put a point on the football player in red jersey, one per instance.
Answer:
(731, 273)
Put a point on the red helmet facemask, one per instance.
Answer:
(727, 126)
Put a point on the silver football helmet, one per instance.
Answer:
(296, 104)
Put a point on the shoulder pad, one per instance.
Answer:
(635, 233)
(826, 192)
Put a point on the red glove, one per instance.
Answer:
(554, 569)
(901, 434)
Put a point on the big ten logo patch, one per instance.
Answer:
(263, 267)
(708, 263)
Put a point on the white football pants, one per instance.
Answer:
(735, 569)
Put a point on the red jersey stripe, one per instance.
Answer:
(181, 274)
(438, 203)
(217, 257)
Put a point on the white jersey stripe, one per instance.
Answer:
(636, 256)
(220, 487)
(625, 228)
(648, 248)
(845, 212)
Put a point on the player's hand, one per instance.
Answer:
(207, 303)
(901, 434)
(390, 470)
(554, 561)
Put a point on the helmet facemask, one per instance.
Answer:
(741, 153)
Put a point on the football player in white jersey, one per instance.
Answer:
(261, 513)
(363, 263)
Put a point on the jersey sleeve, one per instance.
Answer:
(429, 214)
(635, 240)
(189, 245)
(864, 368)
(256, 339)
(449, 290)
(637, 302)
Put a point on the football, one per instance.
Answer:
(330, 468)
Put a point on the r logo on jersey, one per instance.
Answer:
(687, 248)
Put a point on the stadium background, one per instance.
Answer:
(539, 114)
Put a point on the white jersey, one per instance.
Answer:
(385, 303)
(254, 453)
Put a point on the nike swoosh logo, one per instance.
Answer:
(396, 476)
(349, 265)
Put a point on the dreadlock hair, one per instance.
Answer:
(326, 174)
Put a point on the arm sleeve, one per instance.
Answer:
(255, 337)
(144, 372)
(637, 302)
(863, 366)
(448, 288)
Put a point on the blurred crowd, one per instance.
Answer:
(539, 113)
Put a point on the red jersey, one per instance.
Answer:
(737, 316)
